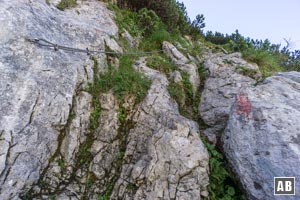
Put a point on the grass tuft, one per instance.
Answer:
(267, 63)
(123, 81)
(65, 4)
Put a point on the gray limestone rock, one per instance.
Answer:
(164, 157)
(227, 77)
(132, 41)
(262, 138)
(39, 86)
(78, 129)
(183, 63)
(176, 77)
(106, 145)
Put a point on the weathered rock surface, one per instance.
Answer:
(183, 64)
(42, 108)
(228, 75)
(164, 157)
(262, 138)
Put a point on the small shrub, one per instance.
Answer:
(148, 21)
(64, 4)
(155, 39)
(221, 185)
(126, 19)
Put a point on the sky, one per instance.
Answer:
(257, 19)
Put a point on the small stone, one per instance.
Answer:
(176, 77)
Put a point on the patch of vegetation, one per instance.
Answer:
(196, 49)
(84, 156)
(62, 164)
(269, 57)
(123, 81)
(246, 71)
(29, 195)
(221, 185)
(121, 114)
(127, 20)
(161, 63)
(229, 62)
(65, 4)
(172, 13)
(52, 196)
(147, 25)
(202, 72)
(268, 63)
(109, 190)
(186, 48)
(183, 94)
(91, 179)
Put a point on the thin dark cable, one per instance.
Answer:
(45, 43)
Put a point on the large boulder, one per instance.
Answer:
(43, 112)
(262, 138)
(164, 157)
(228, 75)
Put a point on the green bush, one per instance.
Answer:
(221, 185)
(126, 20)
(172, 13)
(148, 21)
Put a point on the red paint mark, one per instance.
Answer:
(244, 106)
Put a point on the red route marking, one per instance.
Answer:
(244, 106)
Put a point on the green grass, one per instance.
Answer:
(268, 64)
(62, 164)
(106, 195)
(154, 40)
(126, 19)
(121, 114)
(161, 63)
(123, 81)
(246, 71)
(65, 4)
(183, 94)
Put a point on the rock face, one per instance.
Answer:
(228, 75)
(183, 64)
(59, 141)
(262, 137)
(43, 112)
(48, 145)
(164, 157)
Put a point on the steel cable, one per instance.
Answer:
(45, 43)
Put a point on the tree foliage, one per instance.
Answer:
(173, 14)
(263, 52)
